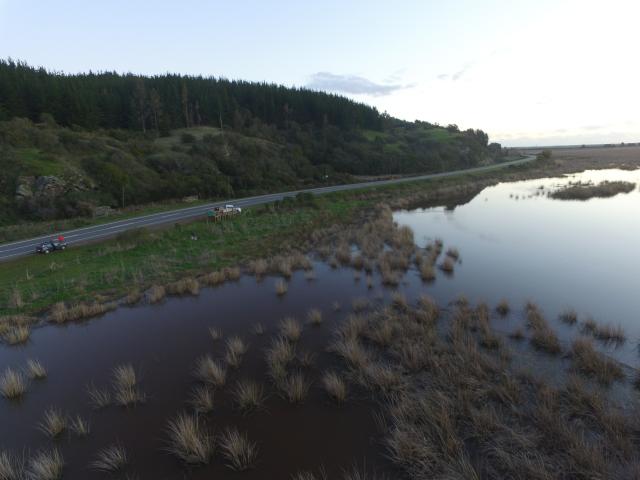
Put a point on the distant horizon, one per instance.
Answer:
(490, 68)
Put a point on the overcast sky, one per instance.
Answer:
(529, 73)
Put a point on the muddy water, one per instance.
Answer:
(517, 243)
(163, 342)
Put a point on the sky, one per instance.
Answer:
(527, 72)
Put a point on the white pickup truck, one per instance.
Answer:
(227, 209)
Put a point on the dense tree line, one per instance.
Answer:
(164, 102)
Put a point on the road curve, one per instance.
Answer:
(14, 250)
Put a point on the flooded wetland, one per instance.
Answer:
(408, 345)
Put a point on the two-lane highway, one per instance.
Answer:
(13, 250)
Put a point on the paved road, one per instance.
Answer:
(13, 250)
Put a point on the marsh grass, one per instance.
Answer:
(447, 265)
(12, 384)
(35, 369)
(259, 267)
(588, 361)
(279, 355)
(99, 398)
(427, 273)
(307, 359)
(11, 466)
(184, 286)
(258, 329)
(45, 465)
(236, 348)
(295, 387)
(290, 329)
(249, 395)
(281, 287)
(54, 423)
(156, 294)
(111, 459)
(189, 440)
(604, 333)
(314, 317)
(453, 253)
(201, 399)
(239, 452)
(17, 335)
(360, 304)
(542, 337)
(61, 313)
(79, 426)
(125, 386)
(503, 307)
(215, 333)
(211, 372)
(335, 386)
(569, 316)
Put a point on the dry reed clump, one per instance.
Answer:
(211, 372)
(259, 267)
(352, 351)
(12, 384)
(17, 335)
(542, 337)
(236, 348)
(11, 466)
(54, 423)
(201, 399)
(99, 398)
(35, 369)
(453, 253)
(360, 304)
(290, 329)
(45, 465)
(335, 386)
(279, 355)
(132, 297)
(125, 386)
(61, 313)
(383, 377)
(111, 459)
(604, 333)
(447, 265)
(249, 395)
(503, 307)
(79, 426)
(281, 287)
(184, 286)
(314, 317)
(232, 274)
(189, 440)
(156, 293)
(214, 279)
(215, 333)
(238, 450)
(569, 316)
(592, 363)
(427, 273)
(294, 387)
(399, 301)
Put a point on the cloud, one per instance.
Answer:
(352, 84)
(455, 76)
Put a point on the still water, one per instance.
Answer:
(517, 243)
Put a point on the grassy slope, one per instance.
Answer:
(113, 267)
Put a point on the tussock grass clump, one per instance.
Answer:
(236, 348)
(99, 398)
(447, 265)
(45, 465)
(249, 395)
(503, 307)
(189, 440)
(184, 286)
(35, 369)
(79, 426)
(61, 313)
(201, 399)
(383, 377)
(360, 304)
(290, 329)
(314, 317)
(12, 384)
(209, 371)
(111, 459)
(133, 297)
(427, 273)
(214, 279)
(258, 329)
(54, 423)
(125, 386)
(215, 333)
(399, 301)
(542, 337)
(238, 450)
(335, 386)
(353, 352)
(10, 466)
(279, 356)
(453, 253)
(588, 361)
(17, 335)
(569, 316)
(281, 287)
(295, 387)
(604, 333)
(232, 273)
(156, 294)
(259, 267)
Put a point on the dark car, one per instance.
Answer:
(51, 246)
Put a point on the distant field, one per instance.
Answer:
(599, 157)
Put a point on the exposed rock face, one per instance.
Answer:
(49, 186)
(102, 211)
